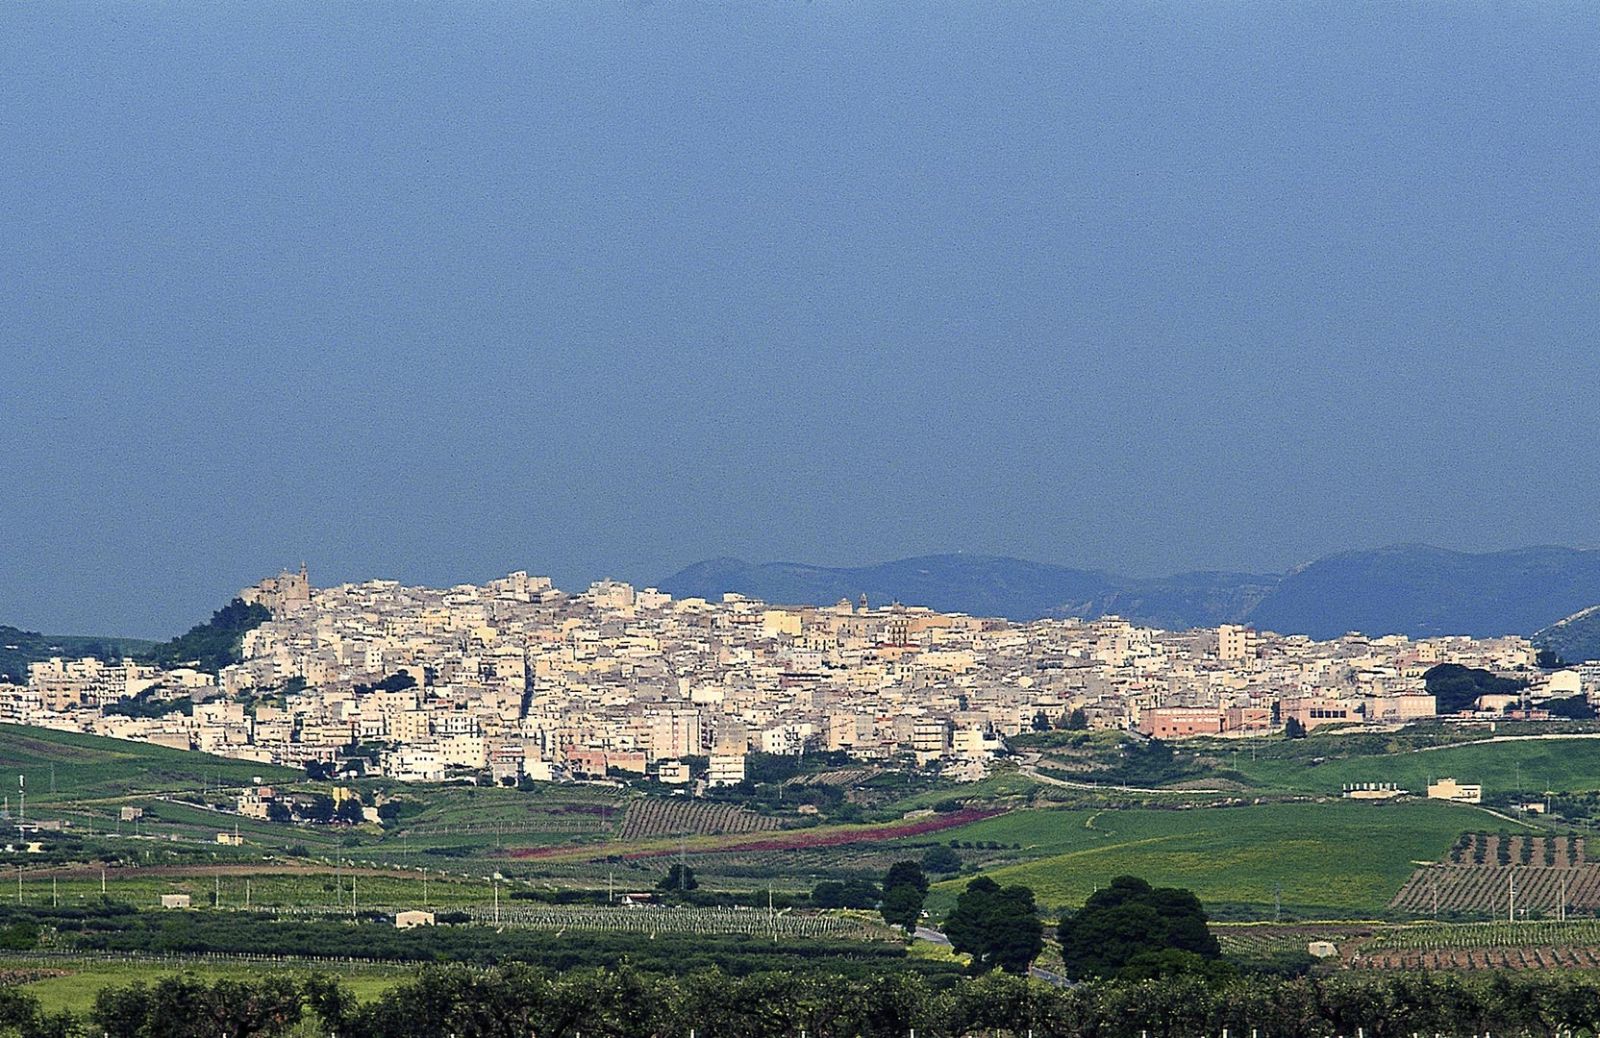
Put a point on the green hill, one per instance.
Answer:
(1570, 765)
(87, 766)
(214, 644)
(1328, 859)
(18, 648)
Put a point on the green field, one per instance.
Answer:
(86, 780)
(1528, 765)
(86, 976)
(65, 766)
(260, 886)
(1335, 858)
(1332, 858)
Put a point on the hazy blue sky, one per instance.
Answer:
(435, 291)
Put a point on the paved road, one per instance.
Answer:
(932, 936)
(1030, 768)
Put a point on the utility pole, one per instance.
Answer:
(1511, 897)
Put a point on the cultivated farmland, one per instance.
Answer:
(1336, 859)
(1574, 944)
(654, 919)
(673, 816)
(1493, 874)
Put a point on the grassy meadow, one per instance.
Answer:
(1327, 858)
(63, 767)
(1526, 765)
(83, 978)
(1335, 859)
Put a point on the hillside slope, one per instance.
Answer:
(18, 648)
(1422, 591)
(1575, 638)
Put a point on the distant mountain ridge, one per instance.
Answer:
(1416, 590)
(1423, 591)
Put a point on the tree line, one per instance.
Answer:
(518, 1001)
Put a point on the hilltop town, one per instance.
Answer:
(519, 681)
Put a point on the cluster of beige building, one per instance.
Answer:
(521, 680)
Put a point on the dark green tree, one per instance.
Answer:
(214, 644)
(904, 890)
(854, 893)
(1456, 688)
(1128, 919)
(186, 1007)
(906, 872)
(18, 1009)
(998, 926)
(679, 879)
(318, 809)
(1077, 721)
(1293, 729)
(940, 858)
(22, 935)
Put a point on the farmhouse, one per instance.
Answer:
(174, 900)
(1455, 792)
(408, 920)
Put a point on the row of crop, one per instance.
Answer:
(659, 816)
(1259, 939)
(1481, 848)
(1490, 890)
(1549, 933)
(704, 921)
(1516, 958)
